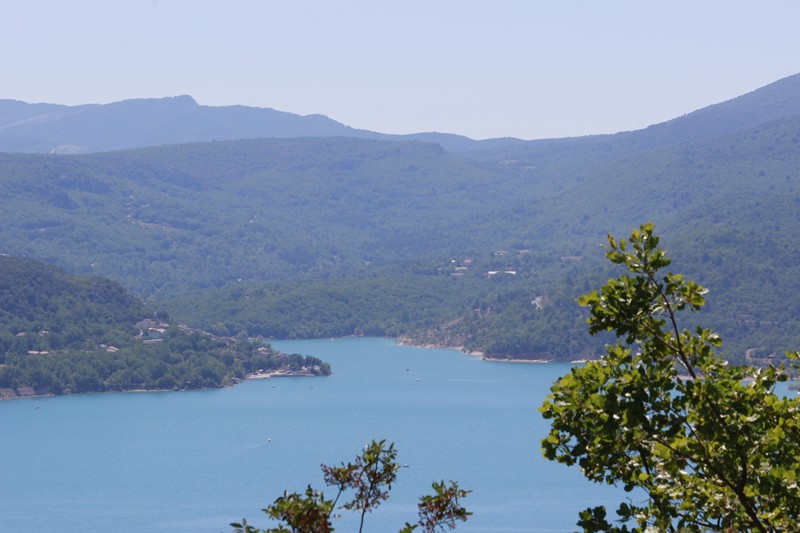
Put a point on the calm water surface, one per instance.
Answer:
(195, 461)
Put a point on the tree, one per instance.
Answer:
(703, 445)
(370, 476)
(440, 509)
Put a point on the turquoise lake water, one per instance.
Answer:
(196, 461)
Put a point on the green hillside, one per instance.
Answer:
(165, 219)
(309, 237)
(61, 333)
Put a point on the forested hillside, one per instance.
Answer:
(165, 219)
(485, 249)
(61, 333)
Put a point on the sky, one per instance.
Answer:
(529, 69)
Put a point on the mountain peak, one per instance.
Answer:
(180, 101)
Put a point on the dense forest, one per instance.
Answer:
(497, 305)
(64, 334)
(484, 245)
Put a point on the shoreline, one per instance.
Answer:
(400, 341)
(278, 374)
(509, 360)
(257, 375)
(405, 341)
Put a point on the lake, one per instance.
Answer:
(198, 460)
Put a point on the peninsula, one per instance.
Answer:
(62, 334)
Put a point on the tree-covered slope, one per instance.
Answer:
(322, 222)
(731, 210)
(171, 218)
(61, 333)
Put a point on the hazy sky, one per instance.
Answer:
(529, 69)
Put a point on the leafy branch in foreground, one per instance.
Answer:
(441, 509)
(703, 445)
(370, 476)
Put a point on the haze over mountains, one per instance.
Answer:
(52, 128)
(167, 211)
(48, 128)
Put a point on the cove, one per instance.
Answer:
(196, 461)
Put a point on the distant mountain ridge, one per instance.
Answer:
(776, 101)
(52, 128)
(138, 123)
